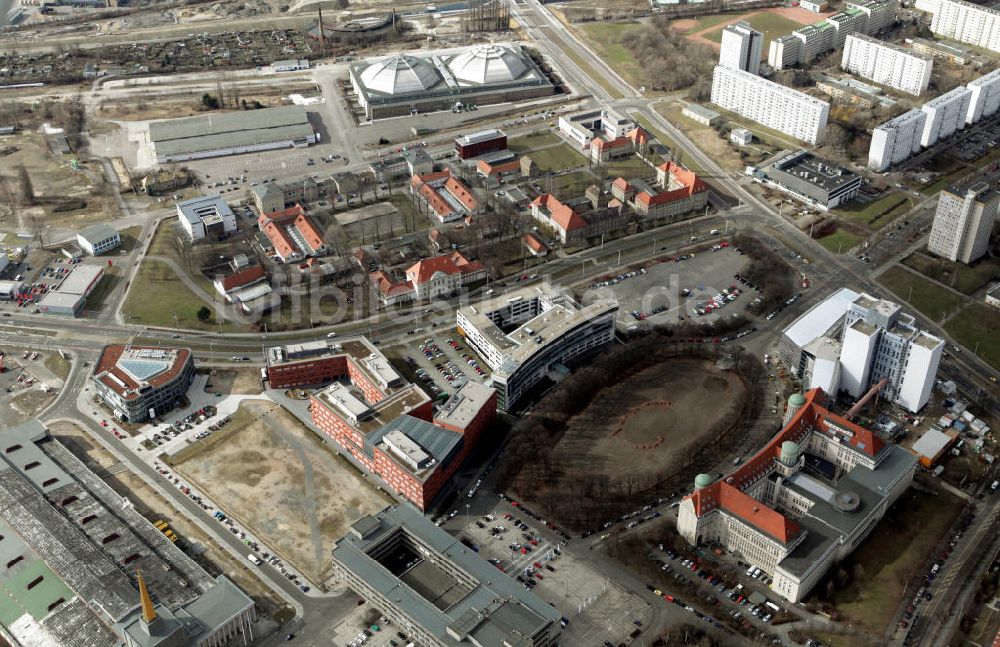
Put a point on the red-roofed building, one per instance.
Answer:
(571, 226)
(500, 170)
(677, 191)
(248, 287)
(445, 195)
(293, 234)
(391, 292)
(804, 501)
(632, 142)
(534, 246)
(443, 275)
(136, 382)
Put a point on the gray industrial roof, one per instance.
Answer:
(98, 233)
(229, 129)
(497, 611)
(46, 494)
(439, 442)
(462, 407)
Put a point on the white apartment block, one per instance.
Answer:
(963, 222)
(741, 48)
(881, 342)
(930, 6)
(945, 115)
(880, 13)
(887, 64)
(967, 23)
(773, 105)
(806, 43)
(896, 140)
(985, 98)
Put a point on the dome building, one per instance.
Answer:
(486, 64)
(400, 74)
(431, 81)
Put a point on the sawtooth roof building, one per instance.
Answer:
(526, 334)
(803, 502)
(230, 133)
(71, 551)
(405, 84)
(436, 589)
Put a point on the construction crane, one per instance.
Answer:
(865, 398)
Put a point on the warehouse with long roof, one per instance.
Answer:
(230, 133)
(405, 84)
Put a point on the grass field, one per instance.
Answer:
(628, 168)
(704, 22)
(112, 277)
(840, 241)
(157, 295)
(528, 143)
(967, 279)
(607, 38)
(771, 24)
(901, 544)
(558, 158)
(978, 329)
(877, 213)
(572, 185)
(922, 294)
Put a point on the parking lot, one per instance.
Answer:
(442, 361)
(594, 608)
(675, 289)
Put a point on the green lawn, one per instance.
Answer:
(156, 295)
(967, 279)
(527, 143)
(922, 294)
(629, 168)
(572, 185)
(771, 24)
(558, 158)
(55, 363)
(130, 238)
(704, 22)
(112, 276)
(978, 324)
(870, 214)
(901, 544)
(608, 39)
(840, 241)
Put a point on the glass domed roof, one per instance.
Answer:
(400, 74)
(484, 64)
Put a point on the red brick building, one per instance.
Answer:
(475, 144)
(323, 361)
(396, 436)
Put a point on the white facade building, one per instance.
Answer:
(881, 343)
(967, 23)
(985, 98)
(887, 64)
(851, 341)
(963, 222)
(786, 110)
(98, 239)
(582, 127)
(547, 328)
(206, 215)
(896, 140)
(945, 115)
(808, 42)
(741, 48)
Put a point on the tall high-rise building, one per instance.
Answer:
(864, 17)
(881, 342)
(887, 64)
(963, 221)
(967, 23)
(985, 98)
(896, 139)
(945, 115)
(786, 110)
(741, 48)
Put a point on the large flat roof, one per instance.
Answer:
(462, 407)
(229, 129)
(816, 321)
(496, 611)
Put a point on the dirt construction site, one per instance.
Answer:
(275, 477)
(645, 422)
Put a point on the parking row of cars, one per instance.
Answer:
(720, 300)
(618, 278)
